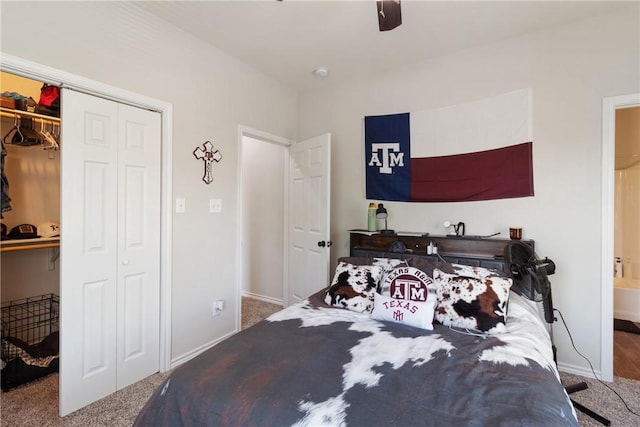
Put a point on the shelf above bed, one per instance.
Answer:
(468, 250)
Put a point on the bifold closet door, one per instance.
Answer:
(110, 247)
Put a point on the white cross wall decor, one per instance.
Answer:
(208, 155)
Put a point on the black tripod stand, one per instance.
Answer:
(582, 386)
(547, 304)
(530, 280)
(573, 388)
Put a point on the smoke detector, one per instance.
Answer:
(321, 72)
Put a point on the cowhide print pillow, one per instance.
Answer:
(388, 264)
(413, 313)
(475, 272)
(353, 287)
(472, 303)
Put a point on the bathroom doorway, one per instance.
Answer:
(626, 282)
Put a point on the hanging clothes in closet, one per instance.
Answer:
(6, 200)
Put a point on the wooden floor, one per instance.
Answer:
(626, 355)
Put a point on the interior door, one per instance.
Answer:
(109, 256)
(138, 285)
(309, 212)
(88, 252)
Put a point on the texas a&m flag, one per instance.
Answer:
(475, 151)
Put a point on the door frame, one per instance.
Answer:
(609, 107)
(245, 131)
(36, 71)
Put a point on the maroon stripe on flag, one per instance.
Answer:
(502, 173)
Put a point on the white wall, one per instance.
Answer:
(263, 215)
(570, 70)
(212, 94)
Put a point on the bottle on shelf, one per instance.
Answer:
(371, 217)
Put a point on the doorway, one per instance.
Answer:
(263, 161)
(626, 282)
(610, 107)
(304, 244)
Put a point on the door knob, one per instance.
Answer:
(322, 243)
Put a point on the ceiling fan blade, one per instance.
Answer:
(389, 14)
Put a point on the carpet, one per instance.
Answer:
(626, 326)
(254, 310)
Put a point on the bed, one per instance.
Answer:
(348, 357)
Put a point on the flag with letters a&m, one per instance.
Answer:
(469, 152)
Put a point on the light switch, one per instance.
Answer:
(181, 205)
(215, 205)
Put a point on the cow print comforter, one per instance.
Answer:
(312, 365)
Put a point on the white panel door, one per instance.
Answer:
(138, 286)
(88, 253)
(309, 241)
(110, 248)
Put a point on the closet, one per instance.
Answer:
(33, 175)
(30, 264)
(108, 206)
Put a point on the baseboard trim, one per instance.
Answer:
(626, 315)
(199, 350)
(578, 370)
(263, 298)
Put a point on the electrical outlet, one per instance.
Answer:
(218, 306)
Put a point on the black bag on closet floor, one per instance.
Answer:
(19, 370)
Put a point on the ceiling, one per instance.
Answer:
(289, 39)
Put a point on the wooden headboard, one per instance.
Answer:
(476, 251)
